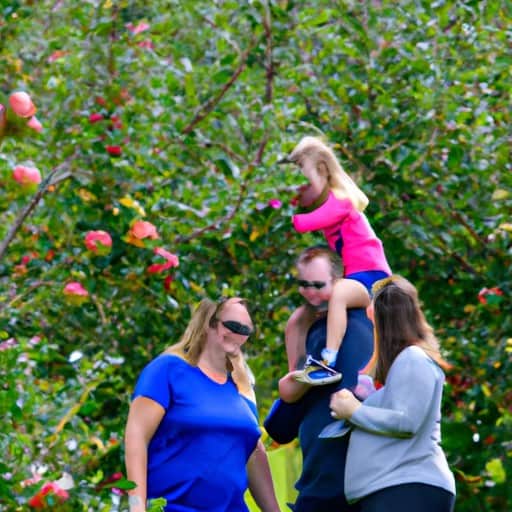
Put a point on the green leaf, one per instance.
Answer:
(123, 483)
(500, 194)
(157, 505)
(496, 470)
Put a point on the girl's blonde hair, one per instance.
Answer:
(341, 184)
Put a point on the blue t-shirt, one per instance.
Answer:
(197, 457)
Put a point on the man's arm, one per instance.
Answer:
(297, 326)
(291, 390)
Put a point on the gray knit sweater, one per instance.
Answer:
(397, 431)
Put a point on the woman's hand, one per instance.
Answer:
(343, 404)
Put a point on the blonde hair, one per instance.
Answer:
(341, 184)
(192, 342)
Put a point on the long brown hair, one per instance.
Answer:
(400, 322)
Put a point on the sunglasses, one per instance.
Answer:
(237, 327)
(318, 285)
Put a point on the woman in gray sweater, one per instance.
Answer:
(394, 461)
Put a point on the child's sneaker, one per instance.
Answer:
(317, 373)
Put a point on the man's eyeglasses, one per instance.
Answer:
(318, 285)
(237, 327)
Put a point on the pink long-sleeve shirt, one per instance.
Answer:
(345, 226)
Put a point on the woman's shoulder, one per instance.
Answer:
(417, 355)
(412, 352)
(157, 378)
(166, 361)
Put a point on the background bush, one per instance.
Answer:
(200, 99)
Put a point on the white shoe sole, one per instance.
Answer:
(306, 379)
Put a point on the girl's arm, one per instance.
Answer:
(332, 211)
(143, 419)
(260, 480)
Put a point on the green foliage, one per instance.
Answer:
(415, 96)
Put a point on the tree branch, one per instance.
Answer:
(100, 309)
(26, 292)
(261, 149)
(458, 257)
(459, 218)
(425, 153)
(382, 157)
(269, 66)
(361, 167)
(226, 149)
(450, 211)
(213, 226)
(25, 212)
(269, 85)
(207, 107)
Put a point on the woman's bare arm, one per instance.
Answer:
(260, 480)
(143, 419)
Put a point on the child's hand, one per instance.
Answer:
(307, 195)
(343, 404)
(365, 386)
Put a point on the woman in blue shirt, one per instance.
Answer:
(192, 435)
